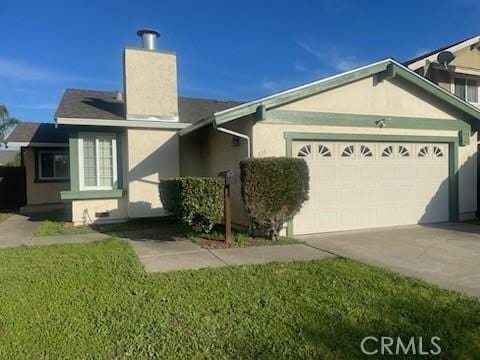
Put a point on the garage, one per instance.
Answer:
(359, 185)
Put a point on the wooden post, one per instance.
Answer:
(227, 214)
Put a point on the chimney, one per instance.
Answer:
(149, 38)
(150, 81)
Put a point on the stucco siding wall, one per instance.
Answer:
(193, 149)
(208, 152)
(40, 193)
(467, 179)
(468, 58)
(150, 82)
(84, 211)
(152, 155)
(442, 78)
(389, 98)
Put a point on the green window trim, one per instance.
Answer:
(36, 161)
(453, 143)
(92, 194)
(75, 163)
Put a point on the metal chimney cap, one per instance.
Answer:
(141, 32)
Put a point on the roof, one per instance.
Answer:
(93, 104)
(385, 69)
(7, 156)
(30, 132)
(451, 47)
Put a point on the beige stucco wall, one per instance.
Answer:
(152, 155)
(150, 80)
(210, 151)
(467, 179)
(40, 193)
(390, 98)
(83, 211)
(467, 58)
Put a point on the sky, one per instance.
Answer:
(233, 49)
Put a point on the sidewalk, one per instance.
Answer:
(171, 255)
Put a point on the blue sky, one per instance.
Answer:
(225, 49)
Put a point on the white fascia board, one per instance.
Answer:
(433, 58)
(196, 126)
(36, 144)
(121, 123)
(266, 98)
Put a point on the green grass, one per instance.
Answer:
(94, 301)
(54, 225)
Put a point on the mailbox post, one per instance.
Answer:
(228, 177)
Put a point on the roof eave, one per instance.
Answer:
(384, 66)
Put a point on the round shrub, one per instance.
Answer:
(274, 190)
(195, 201)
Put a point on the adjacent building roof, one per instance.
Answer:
(7, 156)
(28, 133)
(419, 61)
(93, 104)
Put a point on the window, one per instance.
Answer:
(53, 165)
(348, 151)
(305, 151)
(98, 161)
(467, 89)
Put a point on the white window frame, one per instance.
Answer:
(39, 164)
(466, 77)
(81, 173)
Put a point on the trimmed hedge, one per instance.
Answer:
(273, 191)
(195, 201)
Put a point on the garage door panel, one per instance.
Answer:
(374, 185)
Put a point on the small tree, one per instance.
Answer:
(274, 190)
(6, 122)
(195, 201)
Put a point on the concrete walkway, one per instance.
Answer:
(170, 255)
(18, 230)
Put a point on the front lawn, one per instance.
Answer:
(94, 301)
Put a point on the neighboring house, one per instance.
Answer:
(7, 156)
(385, 145)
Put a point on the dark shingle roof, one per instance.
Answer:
(29, 132)
(430, 53)
(91, 104)
(7, 156)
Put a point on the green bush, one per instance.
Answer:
(273, 191)
(195, 201)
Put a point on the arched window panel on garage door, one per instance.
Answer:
(438, 152)
(423, 151)
(348, 151)
(367, 151)
(325, 150)
(387, 151)
(304, 150)
(404, 151)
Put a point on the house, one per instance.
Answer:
(386, 144)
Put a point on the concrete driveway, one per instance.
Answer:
(447, 255)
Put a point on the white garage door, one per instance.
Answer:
(367, 185)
